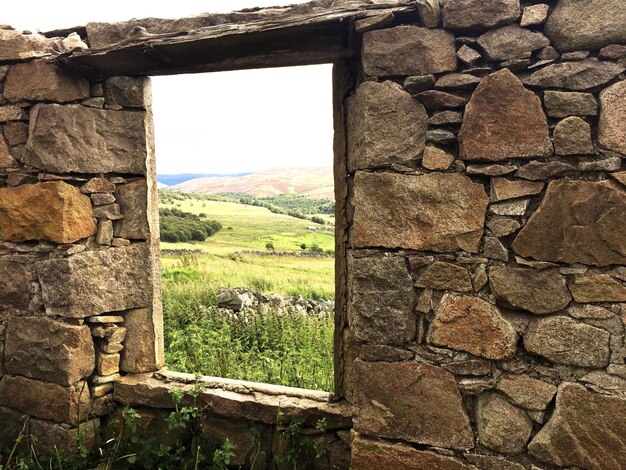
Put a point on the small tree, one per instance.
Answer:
(269, 246)
(303, 246)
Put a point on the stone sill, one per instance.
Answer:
(235, 398)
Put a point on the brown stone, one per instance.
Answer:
(569, 103)
(102, 199)
(494, 249)
(435, 99)
(381, 300)
(387, 396)
(129, 92)
(436, 159)
(444, 118)
(437, 212)
(105, 142)
(527, 392)
(133, 201)
(17, 46)
(588, 25)
(442, 276)
(565, 341)
(52, 438)
(472, 325)
(501, 426)
(370, 454)
(14, 286)
(511, 42)
(141, 351)
(6, 160)
(536, 171)
(42, 81)
(539, 292)
(385, 125)
(572, 136)
(107, 364)
(373, 22)
(478, 14)
(620, 176)
(12, 113)
(45, 400)
(467, 55)
(612, 134)
(534, 15)
(105, 233)
(612, 52)
(502, 226)
(503, 189)
(98, 185)
(14, 424)
(16, 133)
(416, 83)
(590, 228)
(597, 288)
(575, 76)
(90, 283)
(518, 126)
(45, 349)
(586, 430)
(240, 435)
(408, 50)
(458, 80)
(53, 211)
(490, 462)
(491, 170)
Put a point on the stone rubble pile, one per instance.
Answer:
(242, 299)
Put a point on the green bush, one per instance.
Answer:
(178, 226)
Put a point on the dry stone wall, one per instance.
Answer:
(481, 256)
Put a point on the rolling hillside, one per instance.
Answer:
(311, 182)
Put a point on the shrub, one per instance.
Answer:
(178, 226)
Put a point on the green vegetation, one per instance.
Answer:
(178, 226)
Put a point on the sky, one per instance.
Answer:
(221, 122)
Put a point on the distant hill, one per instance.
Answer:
(171, 180)
(316, 183)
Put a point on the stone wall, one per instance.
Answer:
(481, 258)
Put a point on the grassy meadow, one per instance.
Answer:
(294, 350)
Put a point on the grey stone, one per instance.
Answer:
(373, 22)
(478, 14)
(105, 142)
(527, 392)
(41, 81)
(16, 46)
(491, 170)
(133, 200)
(435, 99)
(467, 55)
(576, 76)
(441, 137)
(129, 92)
(502, 427)
(494, 249)
(511, 42)
(458, 81)
(575, 55)
(442, 276)
(408, 50)
(104, 236)
(443, 118)
(416, 83)
(565, 341)
(548, 53)
(563, 104)
(517, 207)
(109, 211)
(588, 25)
(537, 171)
(589, 311)
(100, 199)
(611, 132)
(385, 125)
(572, 136)
(534, 14)
(605, 164)
(14, 286)
(91, 283)
(502, 226)
(381, 300)
(612, 52)
(539, 292)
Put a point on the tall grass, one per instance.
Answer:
(291, 349)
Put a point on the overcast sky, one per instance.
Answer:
(222, 122)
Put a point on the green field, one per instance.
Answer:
(287, 350)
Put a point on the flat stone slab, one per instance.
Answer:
(105, 141)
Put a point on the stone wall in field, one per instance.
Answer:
(481, 247)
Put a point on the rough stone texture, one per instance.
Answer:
(501, 426)
(381, 300)
(408, 50)
(417, 83)
(490, 462)
(16, 133)
(478, 14)
(502, 226)
(105, 141)
(511, 42)
(369, 454)
(586, 25)
(518, 126)
(131, 92)
(467, 55)
(569, 103)
(472, 325)
(12, 113)
(566, 341)
(572, 136)
(442, 276)
(436, 159)
(14, 286)
(45, 349)
(386, 406)
(140, 353)
(53, 211)
(45, 400)
(539, 292)
(494, 249)
(527, 392)
(41, 81)
(597, 288)
(133, 201)
(408, 212)
(534, 14)
(503, 189)
(385, 125)
(586, 430)
(52, 438)
(17, 46)
(6, 160)
(457, 81)
(90, 283)
(105, 233)
(435, 99)
(98, 185)
(612, 132)
(575, 76)
(612, 52)
(536, 171)
(590, 229)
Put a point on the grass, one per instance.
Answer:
(294, 350)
